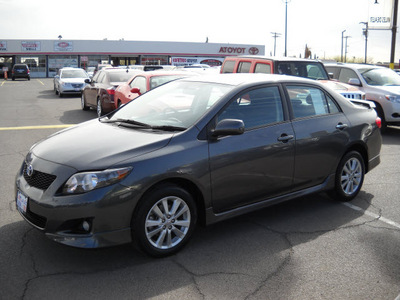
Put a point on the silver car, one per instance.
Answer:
(70, 81)
(381, 85)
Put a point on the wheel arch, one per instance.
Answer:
(363, 152)
(186, 184)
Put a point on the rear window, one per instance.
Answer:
(20, 68)
(229, 66)
(262, 68)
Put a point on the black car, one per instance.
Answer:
(20, 71)
(100, 90)
(195, 150)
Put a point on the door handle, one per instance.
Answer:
(285, 137)
(341, 126)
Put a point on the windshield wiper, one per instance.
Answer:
(169, 128)
(127, 121)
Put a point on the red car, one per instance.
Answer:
(143, 82)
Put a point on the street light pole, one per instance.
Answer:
(341, 52)
(286, 2)
(394, 31)
(365, 32)
(345, 50)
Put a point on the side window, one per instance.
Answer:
(258, 107)
(101, 77)
(244, 67)
(229, 66)
(346, 74)
(96, 76)
(140, 83)
(310, 101)
(262, 68)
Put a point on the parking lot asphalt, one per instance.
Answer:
(308, 248)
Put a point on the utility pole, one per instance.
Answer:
(275, 35)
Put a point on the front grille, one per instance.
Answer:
(39, 179)
(77, 85)
(352, 95)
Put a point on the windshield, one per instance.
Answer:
(380, 76)
(178, 103)
(309, 70)
(74, 74)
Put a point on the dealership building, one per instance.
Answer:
(45, 57)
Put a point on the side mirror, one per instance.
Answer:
(330, 75)
(136, 90)
(87, 80)
(228, 127)
(354, 81)
(57, 76)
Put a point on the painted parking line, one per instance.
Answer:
(9, 81)
(36, 127)
(373, 215)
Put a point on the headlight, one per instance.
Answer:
(88, 181)
(393, 98)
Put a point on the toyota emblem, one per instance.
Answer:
(253, 50)
(29, 170)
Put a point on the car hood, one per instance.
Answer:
(94, 145)
(393, 89)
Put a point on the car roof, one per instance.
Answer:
(353, 66)
(250, 78)
(273, 58)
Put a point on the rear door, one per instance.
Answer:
(321, 131)
(259, 163)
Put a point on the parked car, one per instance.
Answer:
(143, 82)
(100, 90)
(195, 151)
(20, 71)
(380, 85)
(307, 68)
(91, 71)
(69, 81)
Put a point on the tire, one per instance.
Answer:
(381, 114)
(55, 90)
(13, 78)
(99, 109)
(60, 94)
(158, 232)
(349, 176)
(83, 102)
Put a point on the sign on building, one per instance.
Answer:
(3, 46)
(30, 46)
(63, 46)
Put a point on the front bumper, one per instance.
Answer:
(99, 218)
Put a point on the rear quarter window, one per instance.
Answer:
(262, 68)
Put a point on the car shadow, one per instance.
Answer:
(250, 247)
(391, 136)
(77, 116)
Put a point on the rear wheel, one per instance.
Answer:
(164, 220)
(349, 176)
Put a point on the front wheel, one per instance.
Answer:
(349, 176)
(164, 220)
(83, 102)
(99, 109)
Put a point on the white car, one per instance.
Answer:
(70, 81)
(380, 85)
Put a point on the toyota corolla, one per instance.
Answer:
(195, 151)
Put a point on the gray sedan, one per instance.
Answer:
(195, 151)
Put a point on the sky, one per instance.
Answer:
(315, 23)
